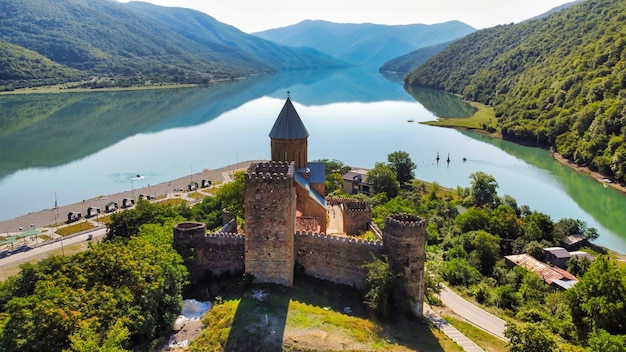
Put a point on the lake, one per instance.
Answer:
(74, 146)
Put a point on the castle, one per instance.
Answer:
(286, 218)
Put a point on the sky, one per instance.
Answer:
(258, 15)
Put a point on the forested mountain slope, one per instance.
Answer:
(107, 38)
(559, 81)
(409, 62)
(365, 43)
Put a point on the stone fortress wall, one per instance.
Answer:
(356, 214)
(336, 259)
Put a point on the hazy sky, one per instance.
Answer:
(257, 15)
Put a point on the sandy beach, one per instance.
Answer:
(52, 216)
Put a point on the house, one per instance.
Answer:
(355, 181)
(553, 276)
(557, 256)
(574, 242)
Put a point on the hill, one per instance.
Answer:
(23, 68)
(365, 44)
(140, 42)
(558, 81)
(409, 62)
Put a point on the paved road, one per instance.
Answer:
(473, 314)
(43, 249)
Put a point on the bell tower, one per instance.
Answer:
(289, 137)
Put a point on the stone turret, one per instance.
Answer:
(289, 137)
(404, 238)
(270, 208)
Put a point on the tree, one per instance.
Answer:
(605, 342)
(380, 280)
(383, 180)
(483, 189)
(598, 300)
(402, 165)
(333, 166)
(529, 337)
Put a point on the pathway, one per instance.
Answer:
(456, 336)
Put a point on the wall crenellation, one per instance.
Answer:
(351, 240)
(270, 170)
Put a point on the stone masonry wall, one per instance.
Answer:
(213, 254)
(336, 259)
(270, 208)
(356, 214)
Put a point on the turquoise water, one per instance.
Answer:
(78, 146)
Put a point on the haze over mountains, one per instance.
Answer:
(365, 44)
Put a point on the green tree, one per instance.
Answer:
(605, 342)
(383, 180)
(598, 300)
(380, 281)
(402, 165)
(529, 337)
(483, 189)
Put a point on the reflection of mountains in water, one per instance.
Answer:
(47, 130)
(441, 104)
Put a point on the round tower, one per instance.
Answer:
(289, 137)
(404, 239)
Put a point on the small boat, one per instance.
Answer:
(437, 156)
(464, 159)
(448, 160)
(410, 120)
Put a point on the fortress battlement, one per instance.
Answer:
(404, 220)
(271, 170)
(338, 238)
(221, 235)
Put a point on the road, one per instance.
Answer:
(42, 250)
(472, 313)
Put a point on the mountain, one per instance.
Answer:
(558, 81)
(365, 44)
(409, 62)
(143, 42)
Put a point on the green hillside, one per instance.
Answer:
(20, 67)
(134, 43)
(558, 81)
(409, 62)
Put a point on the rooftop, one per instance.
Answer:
(288, 125)
(546, 273)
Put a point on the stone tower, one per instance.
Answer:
(289, 137)
(270, 208)
(404, 238)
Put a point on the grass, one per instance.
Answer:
(311, 316)
(75, 228)
(196, 195)
(482, 338)
(484, 116)
(173, 202)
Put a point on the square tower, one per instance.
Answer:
(270, 212)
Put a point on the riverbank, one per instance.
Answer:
(485, 116)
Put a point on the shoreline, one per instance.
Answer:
(53, 217)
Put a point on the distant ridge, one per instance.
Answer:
(367, 43)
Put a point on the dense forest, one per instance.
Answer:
(131, 43)
(557, 81)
